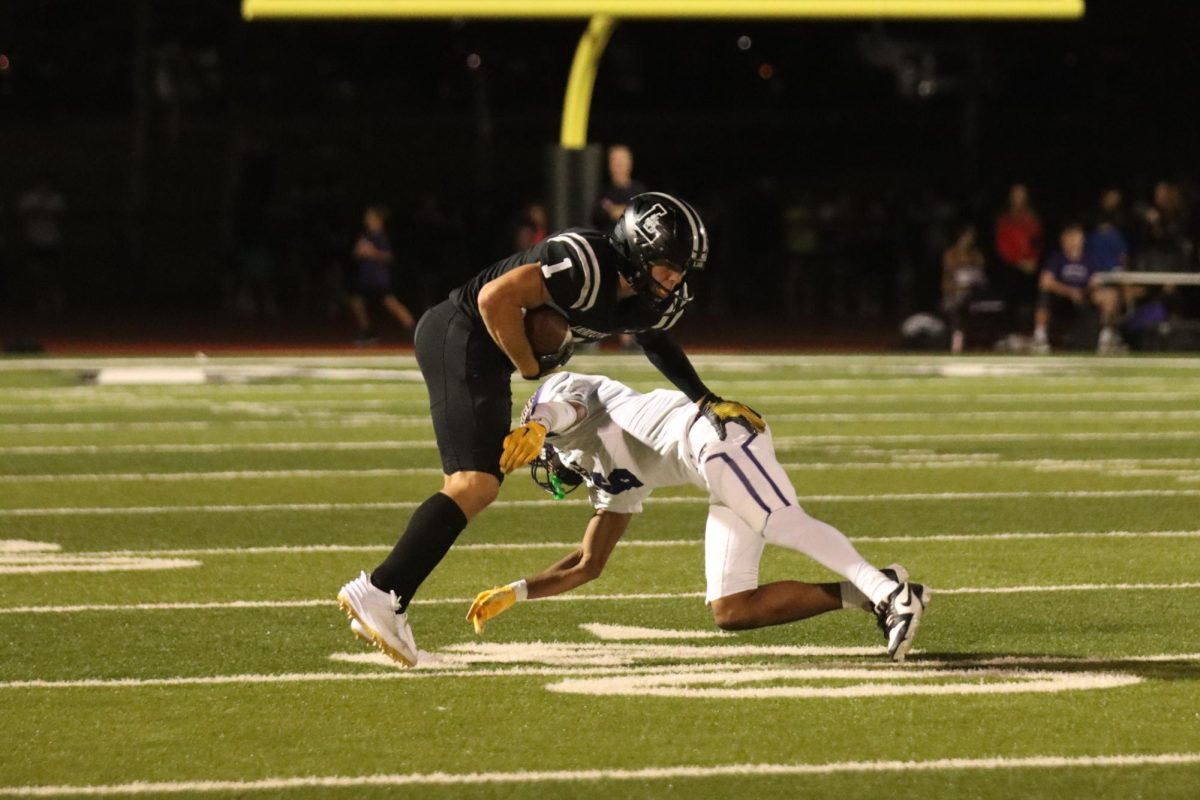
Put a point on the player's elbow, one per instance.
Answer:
(491, 298)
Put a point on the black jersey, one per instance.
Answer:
(579, 267)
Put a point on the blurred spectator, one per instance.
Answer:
(621, 187)
(616, 195)
(1069, 293)
(1107, 244)
(1164, 247)
(963, 279)
(373, 258)
(531, 227)
(1019, 247)
(42, 209)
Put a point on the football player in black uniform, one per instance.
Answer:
(630, 281)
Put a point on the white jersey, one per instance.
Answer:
(629, 444)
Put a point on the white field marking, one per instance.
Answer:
(9, 546)
(564, 598)
(683, 772)
(933, 461)
(198, 606)
(443, 660)
(571, 655)
(701, 685)
(29, 564)
(967, 537)
(1037, 398)
(619, 633)
(780, 442)
(672, 500)
(850, 363)
(301, 549)
(156, 375)
(335, 420)
(309, 421)
(53, 403)
(151, 375)
(1118, 466)
(1011, 661)
(225, 475)
(1070, 587)
(918, 438)
(221, 447)
(980, 416)
(126, 402)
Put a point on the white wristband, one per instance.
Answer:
(555, 415)
(521, 588)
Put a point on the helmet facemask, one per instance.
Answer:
(549, 472)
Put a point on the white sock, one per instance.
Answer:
(1039, 335)
(792, 528)
(1107, 334)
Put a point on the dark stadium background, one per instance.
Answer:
(167, 124)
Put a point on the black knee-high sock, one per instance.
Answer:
(431, 531)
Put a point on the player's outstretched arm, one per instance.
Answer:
(604, 530)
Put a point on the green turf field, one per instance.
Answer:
(169, 556)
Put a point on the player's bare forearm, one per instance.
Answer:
(604, 530)
(501, 305)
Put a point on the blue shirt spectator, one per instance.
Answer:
(1073, 271)
(1108, 248)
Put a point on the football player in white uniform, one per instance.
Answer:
(624, 444)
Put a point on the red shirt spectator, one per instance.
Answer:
(1019, 239)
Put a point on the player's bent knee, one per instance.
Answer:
(733, 612)
(472, 491)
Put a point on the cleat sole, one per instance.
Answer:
(375, 639)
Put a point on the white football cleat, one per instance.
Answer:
(358, 630)
(900, 615)
(377, 614)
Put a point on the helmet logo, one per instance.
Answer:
(648, 224)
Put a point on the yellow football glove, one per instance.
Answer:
(719, 411)
(490, 603)
(522, 445)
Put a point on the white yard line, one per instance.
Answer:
(989, 764)
(219, 447)
(919, 438)
(1160, 466)
(673, 500)
(289, 421)
(335, 420)
(301, 549)
(569, 598)
(225, 475)
(983, 416)
(982, 396)
(780, 442)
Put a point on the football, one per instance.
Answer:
(547, 330)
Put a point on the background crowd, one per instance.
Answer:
(850, 172)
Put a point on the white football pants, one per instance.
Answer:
(753, 502)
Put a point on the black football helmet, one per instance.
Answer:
(657, 228)
(549, 472)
